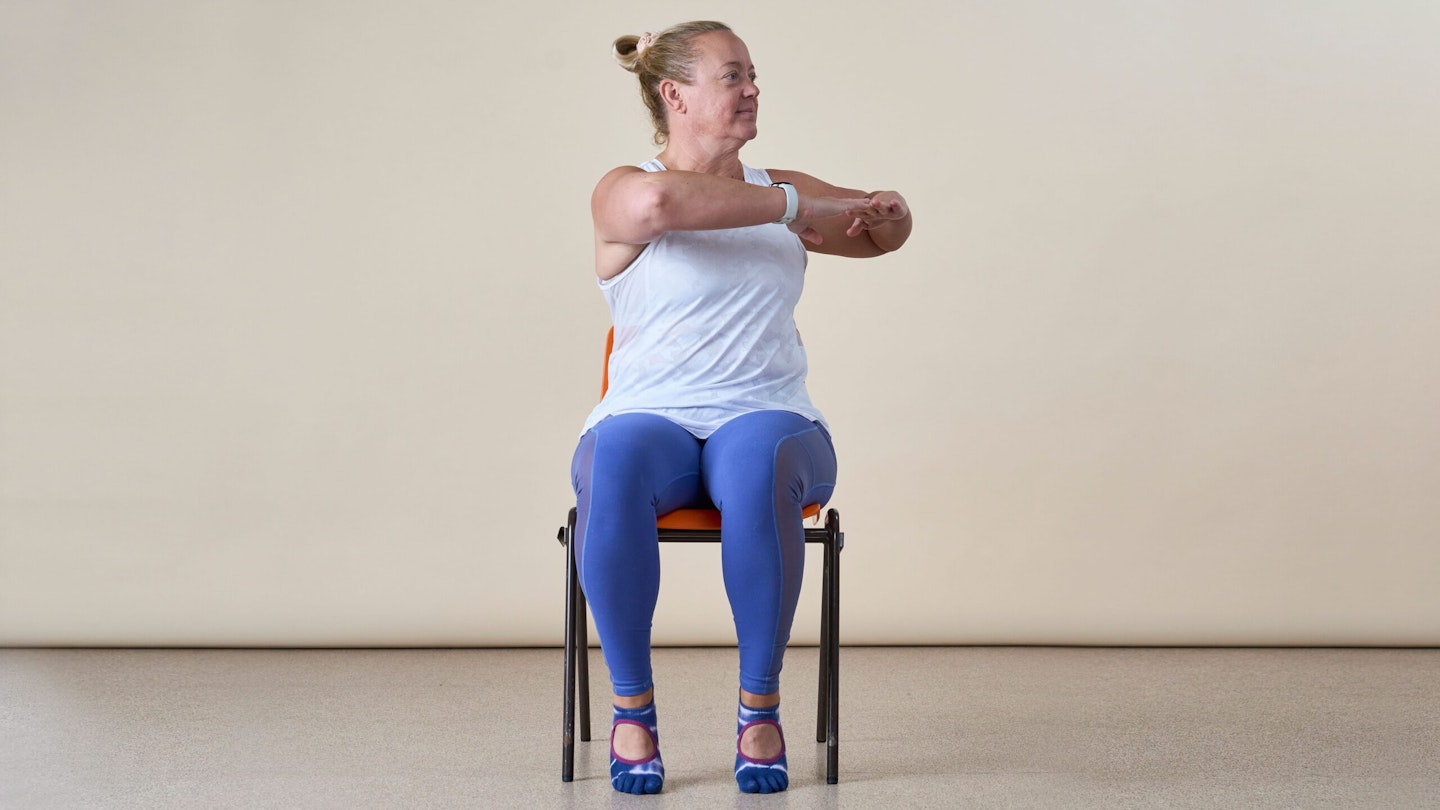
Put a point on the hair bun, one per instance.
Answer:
(627, 52)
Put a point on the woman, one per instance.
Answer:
(701, 260)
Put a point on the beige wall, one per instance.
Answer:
(297, 327)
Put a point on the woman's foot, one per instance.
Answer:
(760, 765)
(635, 765)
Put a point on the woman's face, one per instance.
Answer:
(723, 101)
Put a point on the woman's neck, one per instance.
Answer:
(694, 158)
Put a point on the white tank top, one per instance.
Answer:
(705, 326)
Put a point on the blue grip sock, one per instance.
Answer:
(631, 775)
(760, 775)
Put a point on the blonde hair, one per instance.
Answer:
(666, 55)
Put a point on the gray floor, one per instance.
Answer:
(928, 727)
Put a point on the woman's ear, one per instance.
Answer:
(671, 95)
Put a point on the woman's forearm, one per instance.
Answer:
(692, 201)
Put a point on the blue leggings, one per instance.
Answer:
(759, 470)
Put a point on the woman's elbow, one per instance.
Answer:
(652, 209)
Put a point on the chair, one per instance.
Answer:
(703, 526)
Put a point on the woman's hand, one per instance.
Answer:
(883, 207)
(848, 221)
(815, 209)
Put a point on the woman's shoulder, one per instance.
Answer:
(629, 169)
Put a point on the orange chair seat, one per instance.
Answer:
(709, 519)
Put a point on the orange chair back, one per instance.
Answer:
(605, 370)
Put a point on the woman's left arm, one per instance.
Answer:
(880, 229)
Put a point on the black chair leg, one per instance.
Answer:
(582, 659)
(822, 692)
(567, 755)
(836, 542)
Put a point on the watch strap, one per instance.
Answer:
(792, 202)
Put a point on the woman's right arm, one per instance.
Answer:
(632, 207)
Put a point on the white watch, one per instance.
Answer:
(792, 202)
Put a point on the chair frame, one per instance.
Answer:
(577, 659)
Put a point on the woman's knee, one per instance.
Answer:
(770, 454)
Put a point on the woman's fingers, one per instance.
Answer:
(803, 229)
(874, 214)
(866, 213)
(892, 204)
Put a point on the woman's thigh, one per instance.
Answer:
(636, 460)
